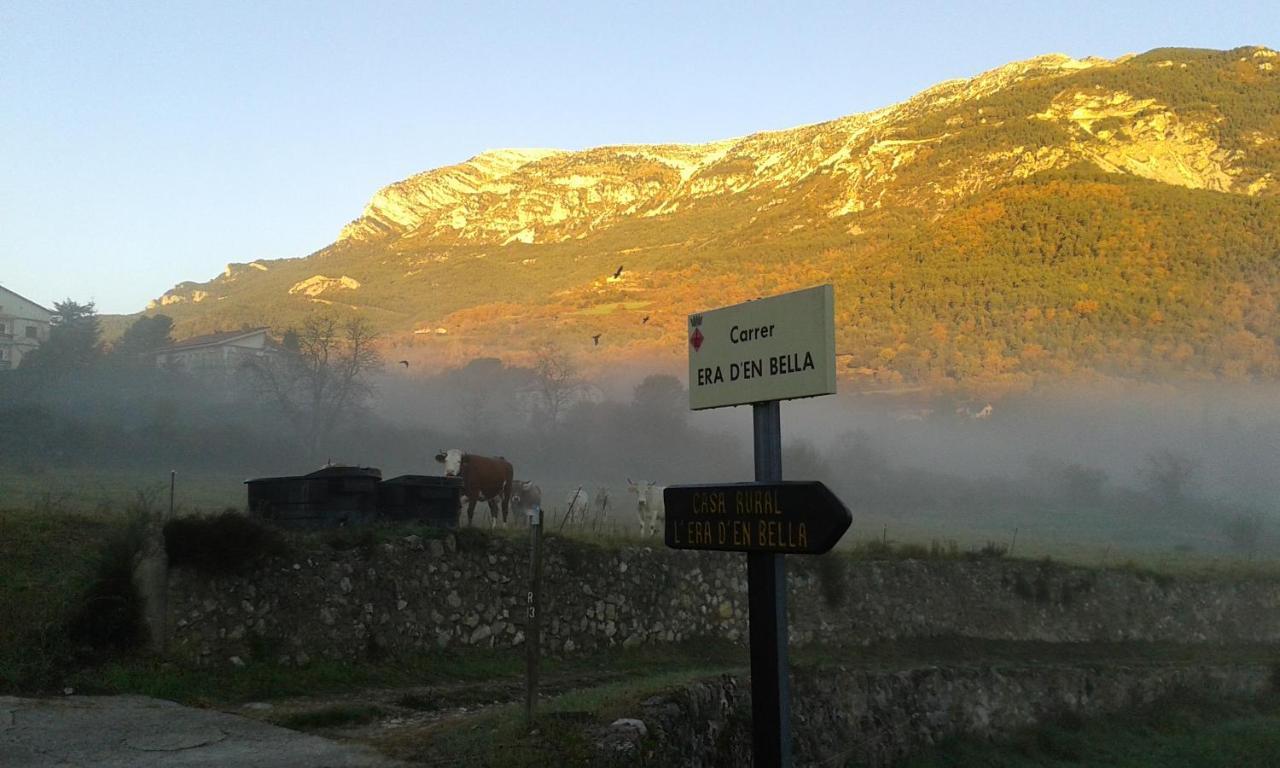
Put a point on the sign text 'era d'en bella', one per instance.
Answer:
(777, 348)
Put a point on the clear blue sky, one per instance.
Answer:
(142, 144)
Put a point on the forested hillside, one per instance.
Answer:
(1051, 218)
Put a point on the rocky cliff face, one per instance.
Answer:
(532, 196)
(897, 207)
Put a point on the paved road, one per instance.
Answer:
(136, 731)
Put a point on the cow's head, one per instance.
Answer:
(641, 490)
(452, 461)
(525, 495)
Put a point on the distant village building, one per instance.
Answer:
(24, 326)
(219, 359)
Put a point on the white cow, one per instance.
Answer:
(577, 503)
(650, 508)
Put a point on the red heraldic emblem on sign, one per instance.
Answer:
(696, 339)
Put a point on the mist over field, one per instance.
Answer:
(1142, 467)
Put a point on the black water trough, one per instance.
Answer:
(327, 498)
(421, 498)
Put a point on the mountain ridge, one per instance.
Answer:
(513, 248)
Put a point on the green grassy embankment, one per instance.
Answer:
(1187, 733)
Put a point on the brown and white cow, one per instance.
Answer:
(483, 479)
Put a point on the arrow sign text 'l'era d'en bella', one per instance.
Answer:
(789, 518)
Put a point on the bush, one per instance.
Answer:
(109, 617)
(219, 545)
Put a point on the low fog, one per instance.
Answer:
(1139, 467)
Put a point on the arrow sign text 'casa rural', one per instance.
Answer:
(789, 518)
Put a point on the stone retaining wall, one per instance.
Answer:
(409, 593)
(875, 718)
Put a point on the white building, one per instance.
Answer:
(221, 361)
(216, 353)
(24, 325)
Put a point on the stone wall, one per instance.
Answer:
(875, 718)
(409, 593)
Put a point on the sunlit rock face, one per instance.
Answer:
(1051, 217)
(539, 196)
(318, 284)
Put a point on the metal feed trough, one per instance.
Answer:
(421, 498)
(349, 496)
(329, 497)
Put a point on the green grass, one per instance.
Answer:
(48, 564)
(896, 540)
(104, 492)
(331, 717)
(500, 737)
(264, 680)
(1190, 733)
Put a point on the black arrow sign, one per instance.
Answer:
(791, 518)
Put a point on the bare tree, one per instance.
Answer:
(1169, 476)
(556, 385)
(319, 378)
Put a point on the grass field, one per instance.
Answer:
(52, 548)
(1185, 734)
(86, 490)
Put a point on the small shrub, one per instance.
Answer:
(219, 545)
(109, 617)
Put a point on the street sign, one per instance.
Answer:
(786, 518)
(762, 352)
(776, 348)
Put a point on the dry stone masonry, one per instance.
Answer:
(876, 717)
(410, 594)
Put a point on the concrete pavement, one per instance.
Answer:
(141, 732)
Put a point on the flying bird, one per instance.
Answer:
(595, 340)
(405, 363)
(618, 274)
(645, 320)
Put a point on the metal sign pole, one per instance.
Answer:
(767, 601)
(533, 629)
